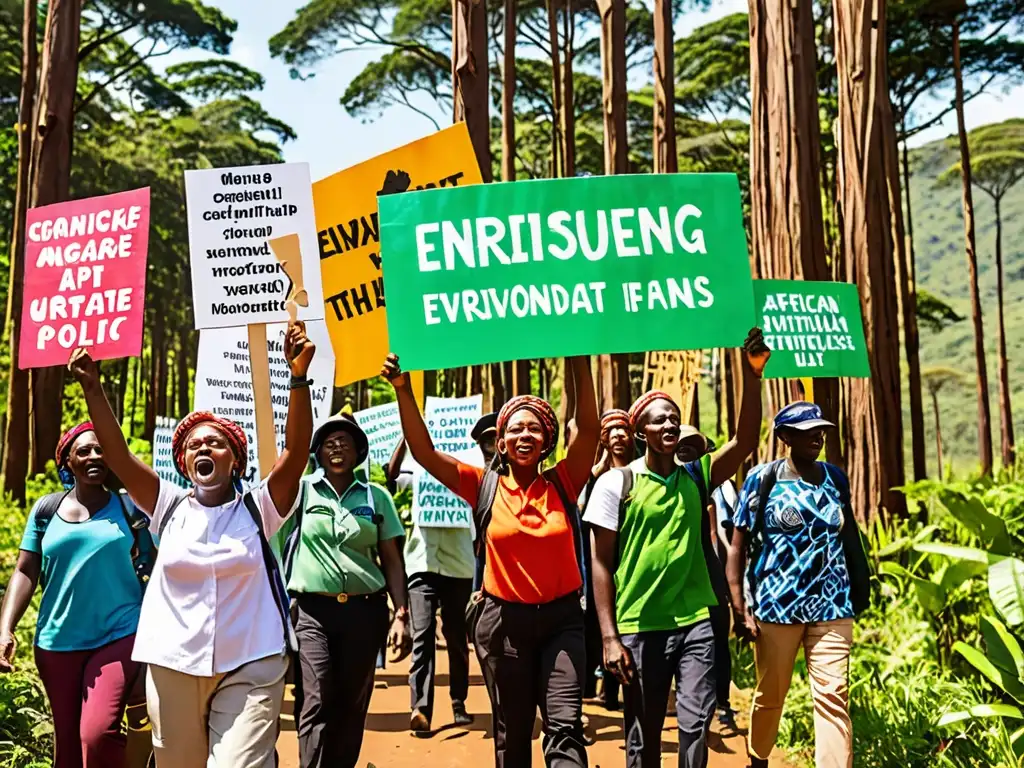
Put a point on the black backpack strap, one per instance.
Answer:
(46, 508)
(764, 491)
(572, 511)
(481, 519)
(274, 573)
(167, 518)
(857, 565)
(627, 488)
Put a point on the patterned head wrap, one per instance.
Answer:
(66, 440)
(644, 402)
(234, 434)
(540, 409)
(616, 417)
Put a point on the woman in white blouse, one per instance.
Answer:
(214, 627)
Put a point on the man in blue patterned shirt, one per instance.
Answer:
(796, 590)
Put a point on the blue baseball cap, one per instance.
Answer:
(802, 416)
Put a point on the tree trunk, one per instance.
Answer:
(666, 160)
(137, 374)
(911, 337)
(122, 388)
(984, 412)
(567, 406)
(471, 99)
(522, 372)
(508, 95)
(568, 94)
(51, 164)
(184, 355)
(16, 429)
(788, 229)
(498, 395)
(613, 383)
(938, 433)
(557, 168)
(874, 450)
(1005, 407)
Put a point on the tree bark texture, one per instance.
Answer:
(51, 164)
(185, 353)
(911, 335)
(470, 77)
(874, 445)
(568, 94)
(557, 167)
(613, 381)
(666, 160)
(938, 433)
(984, 411)
(788, 229)
(1007, 446)
(16, 429)
(508, 95)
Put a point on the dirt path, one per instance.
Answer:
(388, 743)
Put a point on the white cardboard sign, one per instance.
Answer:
(450, 421)
(163, 454)
(224, 381)
(383, 429)
(232, 212)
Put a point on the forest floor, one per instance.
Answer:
(389, 744)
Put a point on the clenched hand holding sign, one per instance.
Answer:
(565, 267)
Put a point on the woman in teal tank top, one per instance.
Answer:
(79, 546)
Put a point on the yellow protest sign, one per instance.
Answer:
(349, 234)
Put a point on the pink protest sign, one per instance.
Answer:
(85, 279)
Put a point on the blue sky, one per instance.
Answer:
(329, 139)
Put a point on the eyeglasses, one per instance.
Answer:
(337, 443)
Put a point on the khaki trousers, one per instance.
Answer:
(225, 721)
(827, 650)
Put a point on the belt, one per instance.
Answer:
(343, 597)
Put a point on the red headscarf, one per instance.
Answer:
(540, 409)
(66, 440)
(234, 434)
(616, 417)
(643, 402)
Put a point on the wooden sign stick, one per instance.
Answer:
(288, 253)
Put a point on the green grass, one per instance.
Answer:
(942, 270)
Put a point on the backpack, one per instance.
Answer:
(482, 518)
(696, 472)
(143, 550)
(854, 552)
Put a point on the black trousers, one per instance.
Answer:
(689, 655)
(720, 625)
(338, 646)
(535, 656)
(428, 593)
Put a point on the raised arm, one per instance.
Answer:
(441, 466)
(395, 463)
(286, 475)
(727, 461)
(139, 480)
(579, 459)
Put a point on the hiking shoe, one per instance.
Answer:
(727, 718)
(462, 717)
(419, 723)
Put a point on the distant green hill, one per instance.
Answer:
(942, 270)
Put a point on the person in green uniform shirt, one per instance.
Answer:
(342, 558)
(651, 579)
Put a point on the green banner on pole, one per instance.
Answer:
(557, 267)
(814, 329)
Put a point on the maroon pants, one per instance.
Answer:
(87, 692)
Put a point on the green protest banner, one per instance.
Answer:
(559, 267)
(814, 329)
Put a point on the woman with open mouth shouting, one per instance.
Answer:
(528, 617)
(214, 628)
(342, 556)
(79, 544)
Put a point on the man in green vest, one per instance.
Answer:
(651, 579)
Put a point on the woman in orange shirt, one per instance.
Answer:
(529, 636)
